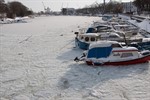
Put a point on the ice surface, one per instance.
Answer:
(36, 63)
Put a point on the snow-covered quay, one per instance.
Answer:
(36, 63)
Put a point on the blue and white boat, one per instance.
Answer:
(84, 40)
(112, 53)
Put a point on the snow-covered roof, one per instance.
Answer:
(125, 48)
(108, 33)
(122, 25)
(89, 34)
(145, 25)
(102, 44)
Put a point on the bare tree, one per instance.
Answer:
(17, 8)
(3, 7)
(111, 7)
(2, 1)
(142, 5)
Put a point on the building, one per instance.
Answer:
(47, 10)
(68, 11)
(129, 8)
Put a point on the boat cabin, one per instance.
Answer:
(88, 38)
(112, 36)
(100, 28)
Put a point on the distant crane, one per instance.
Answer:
(46, 10)
(44, 6)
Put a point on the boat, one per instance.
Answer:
(129, 30)
(112, 53)
(84, 40)
(141, 45)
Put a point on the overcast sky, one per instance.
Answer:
(56, 5)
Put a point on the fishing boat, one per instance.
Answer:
(112, 53)
(84, 40)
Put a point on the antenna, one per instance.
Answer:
(44, 6)
(61, 5)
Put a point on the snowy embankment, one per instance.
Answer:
(36, 63)
(144, 25)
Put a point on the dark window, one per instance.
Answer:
(81, 37)
(113, 36)
(93, 39)
(86, 39)
(116, 45)
(126, 55)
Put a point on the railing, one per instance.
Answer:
(139, 18)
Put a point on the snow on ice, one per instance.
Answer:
(36, 63)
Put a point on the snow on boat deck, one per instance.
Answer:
(36, 63)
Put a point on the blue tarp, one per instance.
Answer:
(90, 30)
(97, 29)
(99, 52)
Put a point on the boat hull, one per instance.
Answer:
(81, 45)
(129, 62)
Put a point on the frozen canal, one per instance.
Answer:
(36, 63)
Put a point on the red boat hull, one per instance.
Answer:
(129, 62)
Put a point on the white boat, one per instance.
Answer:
(112, 53)
(129, 30)
(84, 40)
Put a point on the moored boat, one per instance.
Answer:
(112, 53)
(84, 40)
(129, 30)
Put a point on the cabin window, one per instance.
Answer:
(108, 27)
(81, 37)
(86, 39)
(116, 54)
(134, 33)
(101, 28)
(113, 36)
(93, 39)
(116, 45)
(126, 55)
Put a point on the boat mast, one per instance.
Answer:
(104, 8)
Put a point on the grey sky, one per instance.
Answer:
(56, 5)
